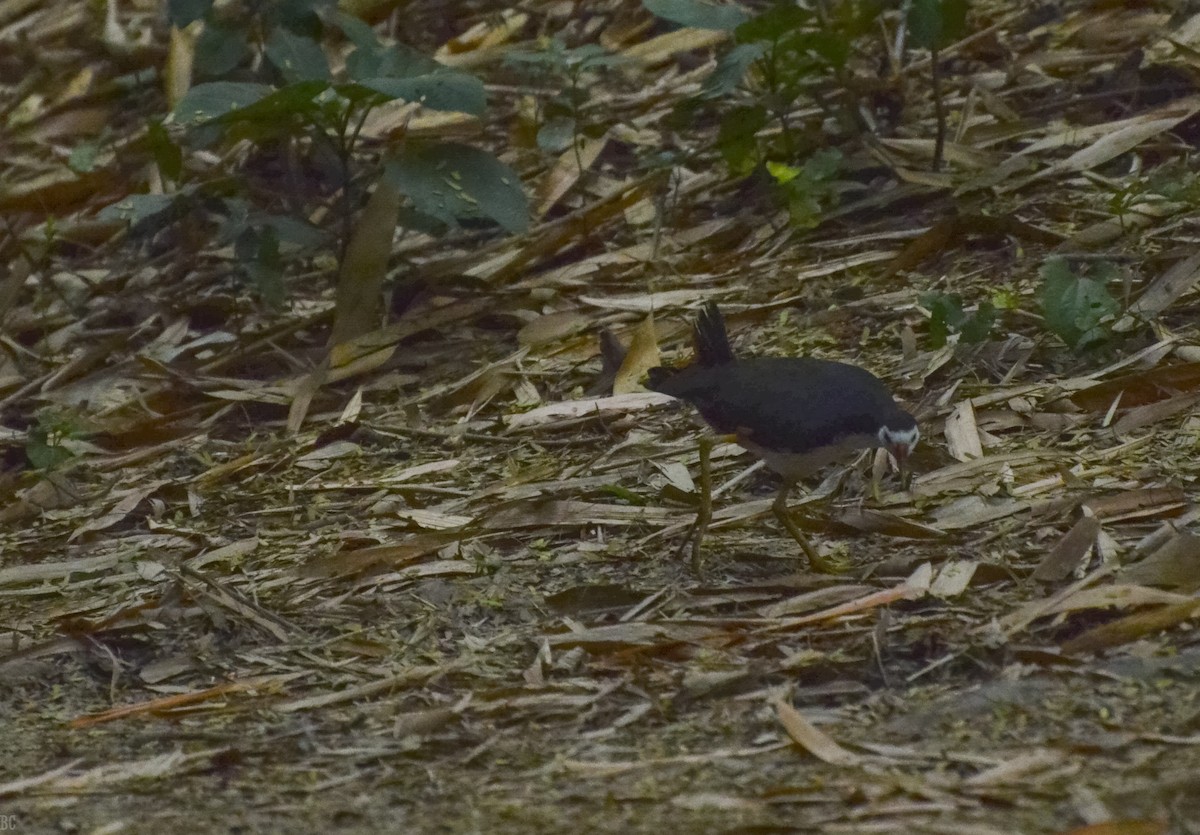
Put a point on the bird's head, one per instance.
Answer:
(899, 436)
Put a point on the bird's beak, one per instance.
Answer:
(900, 453)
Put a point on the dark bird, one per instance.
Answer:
(797, 414)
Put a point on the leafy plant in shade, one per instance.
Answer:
(808, 189)
(947, 315)
(562, 117)
(279, 93)
(48, 443)
(935, 24)
(1079, 308)
(781, 57)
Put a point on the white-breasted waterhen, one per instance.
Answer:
(795, 413)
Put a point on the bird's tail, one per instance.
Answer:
(709, 338)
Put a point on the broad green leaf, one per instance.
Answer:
(400, 61)
(776, 22)
(220, 49)
(946, 315)
(439, 91)
(823, 164)
(297, 58)
(782, 173)
(83, 157)
(934, 24)
(557, 134)
(182, 12)
(731, 69)
(274, 113)
(257, 251)
(451, 182)
(135, 208)
(736, 138)
(978, 326)
(294, 233)
(206, 102)
(360, 33)
(1075, 307)
(697, 13)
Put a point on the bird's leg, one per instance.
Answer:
(824, 565)
(695, 536)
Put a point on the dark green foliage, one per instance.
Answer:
(947, 316)
(809, 189)
(271, 84)
(935, 24)
(45, 447)
(784, 55)
(697, 13)
(738, 138)
(183, 12)
(1079, 308)
(448, 181)
(568, 71)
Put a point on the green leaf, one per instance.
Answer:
(450, 182)
(294, 233)
(258, 252)
(945, 313)
(359, 33)
(624, 494)
(400, 61)
(946, 316)
(736, 139)
(43, 455)
(135, 208)
(773, 24)
(83, 157)
(731, 69)
(978, 326)
(934, 24)
(697, 13)
(557, 134)
(783, 174)
(168, 156)
(182, 12)
(220, 49)
(823, 165)
(1076, 307)
(276, 113)
(206, 102)
(438, 91)
(297, 58)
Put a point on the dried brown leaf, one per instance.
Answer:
(814, 741)
(640, 358)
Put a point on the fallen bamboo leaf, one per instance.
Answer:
(166, 704)
(962, 433)
(1132, 628)
(1175, 564)
(617, 404)
(640, 358)
(1069, 551)
(814, 741)
(915, 587)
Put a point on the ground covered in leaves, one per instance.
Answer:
(452, 600)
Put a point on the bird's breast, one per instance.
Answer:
(798, 465)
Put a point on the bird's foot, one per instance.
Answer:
(694, 540)
(824, 564)
(837, 562)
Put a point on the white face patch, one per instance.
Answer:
(904, 439)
